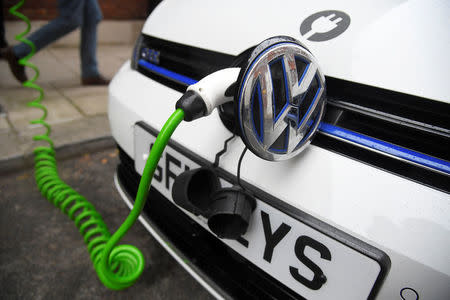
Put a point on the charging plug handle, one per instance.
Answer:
(202, 97)
(193, 106)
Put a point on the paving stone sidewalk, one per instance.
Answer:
(77, 114)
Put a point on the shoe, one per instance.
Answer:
(17, 70)
(3, 43)
(95, 80)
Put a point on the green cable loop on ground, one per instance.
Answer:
(117, 266)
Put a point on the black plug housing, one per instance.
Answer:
(192, 190)
(193, 106)
(228, 210)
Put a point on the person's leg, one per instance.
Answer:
(88, 47)
(3, 42)
(70, 17)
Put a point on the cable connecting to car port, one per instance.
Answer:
(228, 210)
(117, 266)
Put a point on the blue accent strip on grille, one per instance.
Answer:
(286, 105)
(391, 149)
(166, 73)
(261, 125)
(319, 89)
(363, 140)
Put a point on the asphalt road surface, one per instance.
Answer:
(42, 255)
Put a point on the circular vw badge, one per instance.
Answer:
(280, 100)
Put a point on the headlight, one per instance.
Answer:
(136, 52)
(143, 51)
(167, 62)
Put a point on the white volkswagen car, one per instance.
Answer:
(344, 107)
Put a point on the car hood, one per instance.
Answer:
(396, 45)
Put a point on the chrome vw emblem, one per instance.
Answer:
(281, 101)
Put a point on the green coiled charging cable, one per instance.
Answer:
(117, 266)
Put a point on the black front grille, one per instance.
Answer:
(411, 122)
(220, 265)
(189, 61)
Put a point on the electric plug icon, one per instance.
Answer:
(324, 25)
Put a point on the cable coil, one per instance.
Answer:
(117, 266)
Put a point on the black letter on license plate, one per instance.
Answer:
(272, 239)
(319, 278)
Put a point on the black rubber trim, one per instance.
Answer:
(193, 106)
(395, 133)
(408, 106)
(190, 61)
(164, 81)
(374, 253)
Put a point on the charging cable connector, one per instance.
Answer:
(202, 97)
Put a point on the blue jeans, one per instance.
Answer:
(72, 14)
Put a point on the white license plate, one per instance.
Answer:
(285, 245)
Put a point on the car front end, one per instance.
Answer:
(362, 212)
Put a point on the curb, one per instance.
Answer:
(65, 151)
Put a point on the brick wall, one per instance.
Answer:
(111, 9)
